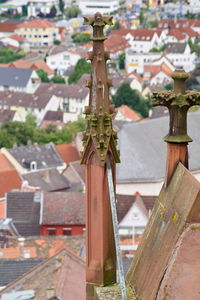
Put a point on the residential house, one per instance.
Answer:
(24, 209)
(73, 98)
(157, 76)
(125, 113)
(9, 180)
(52, 118)
(133, 214)
(175, 36)
(142, 40)
(146, 172)
(63, 213)
(61, 61)
(16, 41)
(24, 103)
(7, 228)
(115, 44)
(134, 62)
(75, 172)
(18, 80)
(180, 56)
(136, 81)
(31, 158)
(167, 24)
(55, 278)
(39, 33)
(37, 7)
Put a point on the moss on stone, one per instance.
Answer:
(113, 292)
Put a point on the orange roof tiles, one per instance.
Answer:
(17, 38)
(154, 70)
(8, 26)
(36, 65)
(68, 152)
(36, 24)
(2, 209)
(177, 33)
(9, 180)
(128, 113)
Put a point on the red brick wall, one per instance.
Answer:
(75, 229)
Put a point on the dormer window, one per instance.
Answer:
(33, 166)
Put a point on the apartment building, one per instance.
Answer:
(39, 33)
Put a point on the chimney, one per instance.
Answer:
(99, 142)
(178, 102)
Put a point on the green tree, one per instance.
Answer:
(31, 120)
(81, 38)
(43, 75)
(20, 130)
(125, 95)
(82, 67)
(53, 11)
(72, 12)
(57, 42)
(24, 10)
(6, 140)
(195, 46)
(57, 79)
(122, 60)
(61, 6)
(8, 55)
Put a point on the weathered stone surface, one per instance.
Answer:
(177, 204)
(181, 280)
(112, 292)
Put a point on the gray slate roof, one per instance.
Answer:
(48, 180)
(175, 47)
(143, 151)
(39, 101)
(24, 211)
(16, 77)
(11, 269)
(45, 156)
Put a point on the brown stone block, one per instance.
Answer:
(173, 208)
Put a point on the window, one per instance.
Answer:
(51, 231)
(67, 231)
(45, 36)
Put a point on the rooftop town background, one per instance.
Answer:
(43, 91)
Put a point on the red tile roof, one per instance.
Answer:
(177, 33)
(139, 34)
(36, 65)
(9, 180)
(115, 43)
(189, 31)
(2, 209)
(127, 112)
(154, 70)
(8, 26)
(17, 38)
(36, 24)
(68, 152)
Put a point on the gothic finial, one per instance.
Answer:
(178, 102)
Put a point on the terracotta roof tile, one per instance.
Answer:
(8, 26)
(189, 31)
(36, 65)
(127, 112)
(9, 180)
(36, 24)
(2, 209)
(177, 33)
(68, 152)
(17, 38)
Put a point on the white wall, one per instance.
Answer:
(104, 7)
(62, 61)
